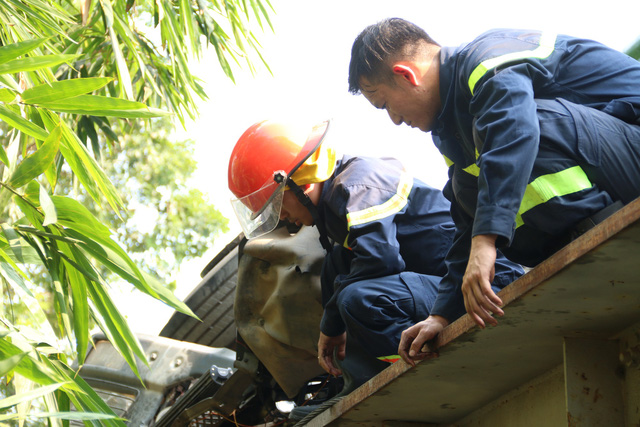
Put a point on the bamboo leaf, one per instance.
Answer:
(29, 255)
(105, 127)
(7, 365)
(105, 243)
(50, 215)
(13, 277)
(74, 215)
(60, 300)
(84, 166)
(124, 78)
(170, 299)
(7, 95)
(116, 325)
(76, 156)
(83, 266)
(86, 400)
(22, 124)
(34, 63)
(136, 45)
(107, 10)
(49, 236)
(80, 416)
(56, 91)
(38, 162)
(36, 15)
(28, 367)
(117, 329)
(36, 315)
(108, 258)
(10, 82)
(186, 16)
(14, 50)
(30, 212)
(95, 105)
(32, 193)
(3, 157)
(31, 395)
(115, 263)
(14, 241)
(79, 285)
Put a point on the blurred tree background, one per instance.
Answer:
(168, 221)
(89, 93)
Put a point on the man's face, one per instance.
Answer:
(417, 105)
(294, 211)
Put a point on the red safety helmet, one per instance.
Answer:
(264, 158)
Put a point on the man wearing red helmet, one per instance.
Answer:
(375, 222)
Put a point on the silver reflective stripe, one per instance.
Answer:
(374, 213)
(390, 207)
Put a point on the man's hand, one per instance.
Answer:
(326, 346)
(413, 339)
(479, 299)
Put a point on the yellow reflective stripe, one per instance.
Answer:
(390, 359)
(472, 169)
(546, 187)
(544, 49)
(391, 206)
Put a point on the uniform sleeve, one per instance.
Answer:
(375, 250)
(450, 300)
(509, 133)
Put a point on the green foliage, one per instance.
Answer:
(97, 66)
(169, 221)
(634, 51)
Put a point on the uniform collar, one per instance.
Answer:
(447, 73)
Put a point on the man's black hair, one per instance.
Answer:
(376, 44)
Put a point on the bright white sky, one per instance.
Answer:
(309, 56)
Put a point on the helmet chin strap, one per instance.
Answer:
(307, 203)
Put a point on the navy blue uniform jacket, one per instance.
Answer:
(391, 223)
(489, 87)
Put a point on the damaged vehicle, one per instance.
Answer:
(251, 358)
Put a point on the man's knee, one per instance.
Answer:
(375, 301)
(354, 301)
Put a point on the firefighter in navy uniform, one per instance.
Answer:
(541, 134)
(386, 235)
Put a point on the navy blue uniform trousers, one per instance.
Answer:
(376, 311)
(605, 147)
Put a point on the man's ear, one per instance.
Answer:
(406, 73)
(314, 191)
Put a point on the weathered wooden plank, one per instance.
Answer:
(590, 288)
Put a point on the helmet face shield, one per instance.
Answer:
(259, 212)
(266, 155)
